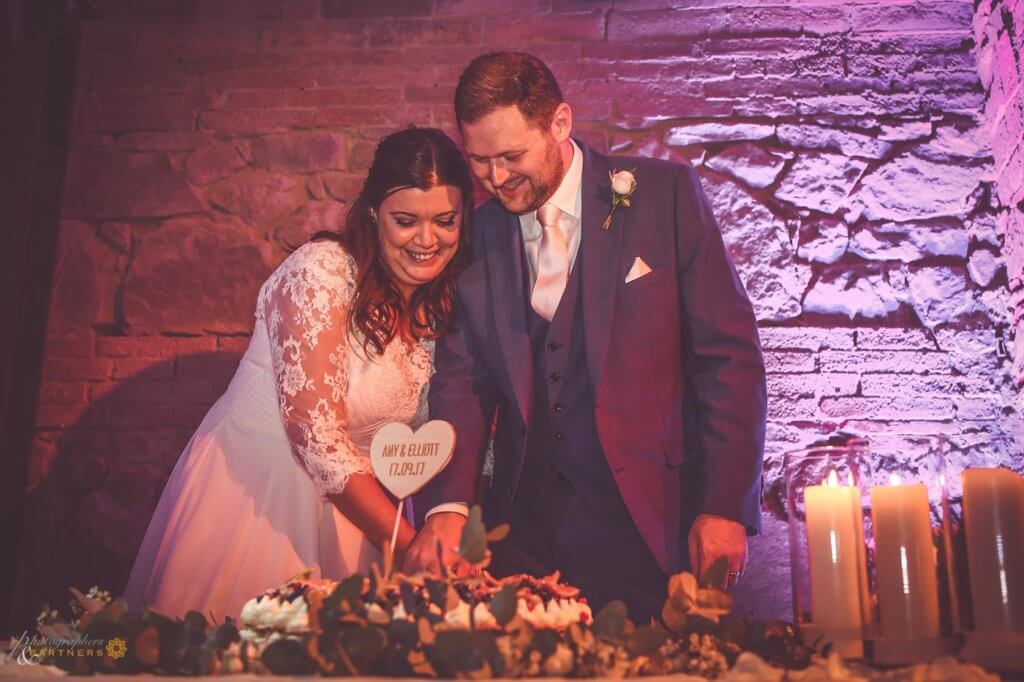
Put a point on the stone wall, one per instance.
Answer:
(845, 146)
(999, 35)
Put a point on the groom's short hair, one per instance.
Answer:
(501, 79)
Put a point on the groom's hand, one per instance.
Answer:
(714, 536)
(445, 527)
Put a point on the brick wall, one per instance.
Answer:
(846, 147)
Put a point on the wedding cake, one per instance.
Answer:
(543, 603)
(282, 610)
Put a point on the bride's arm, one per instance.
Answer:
(305, 308)
(365, 504)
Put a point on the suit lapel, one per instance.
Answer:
(505, 265)
(601, 270)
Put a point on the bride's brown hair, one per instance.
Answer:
(415, 157)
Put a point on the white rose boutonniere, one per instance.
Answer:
(623, 187)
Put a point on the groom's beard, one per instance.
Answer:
(539, 189)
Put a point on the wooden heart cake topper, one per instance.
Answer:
(404, 461)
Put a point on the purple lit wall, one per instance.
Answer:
(999, 35)
(864, 159)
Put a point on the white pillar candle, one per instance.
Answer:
(833, 557)
(905, 563)
(993, 507)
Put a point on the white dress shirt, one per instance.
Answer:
(568, 198)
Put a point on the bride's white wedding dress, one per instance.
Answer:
(245, 508)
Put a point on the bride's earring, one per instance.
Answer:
(373, 216)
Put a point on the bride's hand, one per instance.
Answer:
(421, 555)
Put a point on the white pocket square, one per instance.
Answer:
(639, 269)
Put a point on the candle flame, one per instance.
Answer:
(833, 479)
(894, 479)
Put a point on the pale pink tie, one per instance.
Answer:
(552, 264)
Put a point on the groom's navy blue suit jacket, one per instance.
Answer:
(673, 359)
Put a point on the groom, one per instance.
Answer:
(622, 362)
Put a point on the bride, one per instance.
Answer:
(277, 478)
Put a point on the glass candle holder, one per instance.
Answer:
(825, 502)
(985, 517)
(911, 563)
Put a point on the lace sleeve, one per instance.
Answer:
(305, 308)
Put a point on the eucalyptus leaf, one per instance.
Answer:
(350, 589)
(439, 550)
(735, 630)
(647, 639)
(714, 599)
(288, 656)
(504, 604)
(449, 646)
(226, 634)
(680, 596)
(436, 589)
(611, 621)
(546, 641)
(717, 573)
(364, 646)
(395, 663)
(194, 630)
(410, 598)
(468, 654)
(498, 533)
(473, 544)
(673, 618)
(404, 632)
(331, 610)
(195, 622)
(172, 639)
(425, 630)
